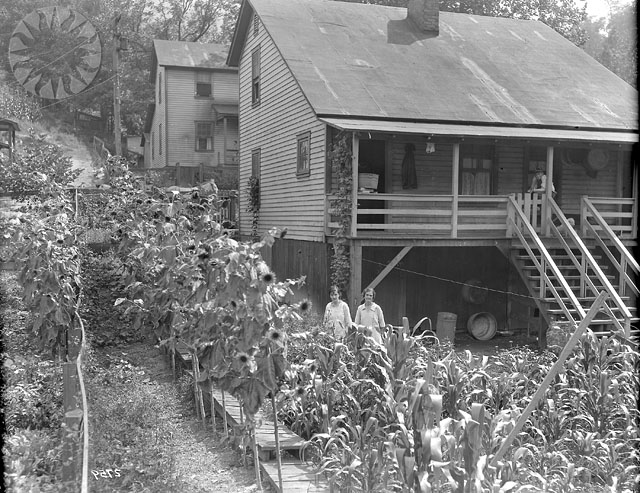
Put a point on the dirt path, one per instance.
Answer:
(82, 160)
(200, 462)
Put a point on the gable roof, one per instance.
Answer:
(188, 54)
(369, 61)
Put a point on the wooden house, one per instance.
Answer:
(191, 129)
(444, 118)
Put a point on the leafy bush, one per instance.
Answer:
(32, 458)
(36, 164)
(31, 401)
(33, 394)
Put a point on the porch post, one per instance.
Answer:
(545, 226)
(454, 189)
(355, 144)
(355, 283)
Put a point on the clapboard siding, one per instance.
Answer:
(184, 109)
(273, 127)
(433, 171)
(574, 183)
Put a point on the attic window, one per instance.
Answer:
(255, 76)
(203, 84)
(256, 24)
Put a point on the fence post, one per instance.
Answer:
(72, 421)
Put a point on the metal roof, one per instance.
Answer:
(188, 54)
(6, 124)
(453, 130)
(362, 60)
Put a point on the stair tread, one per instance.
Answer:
(569, 276)
(584, 298)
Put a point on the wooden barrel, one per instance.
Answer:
(474, 292)
(482, 326)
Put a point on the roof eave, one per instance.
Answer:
(154, 63)
(239, 34)
(469, 129)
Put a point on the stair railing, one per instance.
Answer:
(626, 266)
(564, 231)
(518, 224)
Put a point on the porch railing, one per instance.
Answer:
(619, 214)
(594, 225)
(445, 216)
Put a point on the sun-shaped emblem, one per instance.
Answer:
(55, 52)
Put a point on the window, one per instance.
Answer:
(255, 163)
(204, 136)
(256, 24)
(476, 169)
(255, 76)
(160, 139)
(304, 146)
(159, 87)
(203, 84)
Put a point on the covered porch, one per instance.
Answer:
(437, 181)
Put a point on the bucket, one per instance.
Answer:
(446, 325)
(482, 326)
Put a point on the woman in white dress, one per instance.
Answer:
(337, 316)
(369, 315)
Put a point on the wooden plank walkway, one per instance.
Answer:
(297, 476)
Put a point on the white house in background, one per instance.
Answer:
(192, 127)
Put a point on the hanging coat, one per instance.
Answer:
(409, 178)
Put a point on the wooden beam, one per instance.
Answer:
(389, 267)
(355, 283)
(355, 144)
(571, 343)
(454, 189)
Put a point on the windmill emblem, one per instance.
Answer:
(55, 52)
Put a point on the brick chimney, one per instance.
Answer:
(425, 14)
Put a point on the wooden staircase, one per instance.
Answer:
(550, 308)
(565, 272)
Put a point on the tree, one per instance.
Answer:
(613, 41)
(195, 20)
(620, 48)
